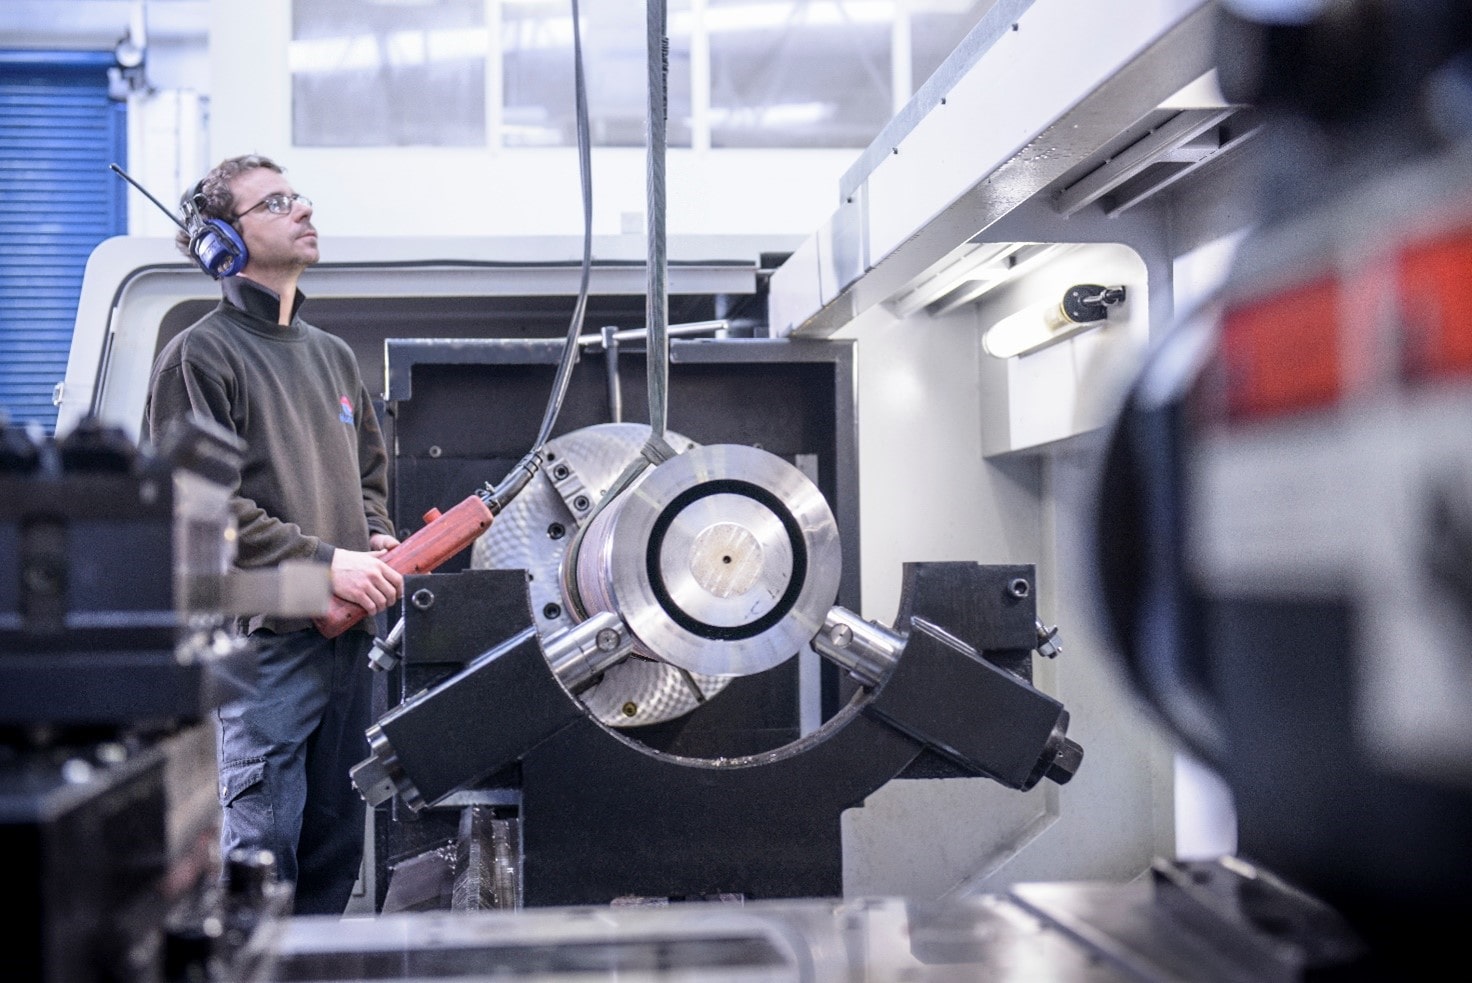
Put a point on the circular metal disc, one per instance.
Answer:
(723, 560)
(726, 560)
(532, 534)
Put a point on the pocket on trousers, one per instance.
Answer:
(243, 790)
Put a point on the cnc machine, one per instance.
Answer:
(770, 687)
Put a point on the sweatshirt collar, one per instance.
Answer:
(257, 300)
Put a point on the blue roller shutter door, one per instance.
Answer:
(58, 200)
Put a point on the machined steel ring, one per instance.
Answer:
(723, 560)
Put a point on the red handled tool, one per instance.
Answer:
(444, 535)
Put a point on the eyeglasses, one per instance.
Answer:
(276, 204)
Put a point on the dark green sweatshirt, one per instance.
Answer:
(315, 472)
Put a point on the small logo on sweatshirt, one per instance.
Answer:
(346, 416)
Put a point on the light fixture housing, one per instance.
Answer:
(129, 73)
(128, 53)
(1084, 306)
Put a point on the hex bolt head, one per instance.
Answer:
(381, 657)
(607, 639)
(423, 599)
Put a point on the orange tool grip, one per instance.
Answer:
(444, 536)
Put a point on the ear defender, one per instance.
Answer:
(214, 243)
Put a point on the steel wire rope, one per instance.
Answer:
(524, 469)
(656, 449)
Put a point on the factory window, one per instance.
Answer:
(388, 75)
(57, 202)
(742, 73)
(537, 73)
(799, 73)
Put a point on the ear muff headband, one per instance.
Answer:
(214, 243)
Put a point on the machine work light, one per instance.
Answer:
(1084, 306)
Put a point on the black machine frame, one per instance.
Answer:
(461, 412)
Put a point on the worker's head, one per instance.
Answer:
(212, 197)
(245, 205)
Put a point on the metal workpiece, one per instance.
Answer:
(722, 560)
(292, 589)
(534, 534)
(579, 654)
(865, 649)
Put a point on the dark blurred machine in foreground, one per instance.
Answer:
(1286, 517)
(115, 588)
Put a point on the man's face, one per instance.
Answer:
(275, 242)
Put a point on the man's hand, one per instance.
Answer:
(382, 541)
(365, 579)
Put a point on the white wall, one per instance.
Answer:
(931, 490)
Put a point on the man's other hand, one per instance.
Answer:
(365, 579)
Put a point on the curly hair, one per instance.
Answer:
(211, 197)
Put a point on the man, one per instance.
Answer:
(312, 486)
